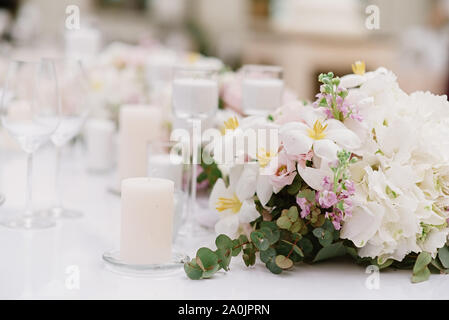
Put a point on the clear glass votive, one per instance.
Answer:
(262, 89)
(166, 160)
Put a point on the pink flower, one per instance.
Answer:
(327, 198)
(304, 205)
(281, 171)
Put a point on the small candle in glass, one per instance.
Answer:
(262, 89)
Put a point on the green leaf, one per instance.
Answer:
(424, 258)
(259, 241)
(267, 255)
(334, 250)
(443, 255)
(293, 214)
(295, 186)
(207, 261)
(270, 235)
(421, 276)
(306, 245)
(249, 255)
(283, 262)
(193, 270)
(308, 194)
(224, 258)
(284, 222)
(236, 247)
(324, 236)
(223, 242)
(296, 226)
(273, 267)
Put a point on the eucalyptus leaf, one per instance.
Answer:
(443, 255)
(223, 242)
(283, 262)
(193, 270)
(424, 258)
(268, 255)
(334, 250)
(224, 258)
(284, 222)
(273, 267)
(421, 276)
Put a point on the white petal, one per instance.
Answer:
(228, 225)
(246, 185)
(219, 190)
(313, 177)
(352, 80)
(363, 223)
(234, 176)
(264, 189)
(344, 137)
(296, 142)
(326, 149)
(248, 212)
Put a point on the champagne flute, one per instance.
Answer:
(30, 113)
(75, 107)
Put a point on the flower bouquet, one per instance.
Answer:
(361, 172)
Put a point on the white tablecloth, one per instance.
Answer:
(66, 261)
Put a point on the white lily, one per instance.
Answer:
(235, 203)
(325, 136)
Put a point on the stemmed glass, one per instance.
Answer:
(194, 98)
(30, 112)
(75, 107)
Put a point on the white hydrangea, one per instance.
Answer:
(402, 179)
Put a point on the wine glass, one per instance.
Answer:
(30, 113)
(262, 89)
(194, 98)
(75, 107)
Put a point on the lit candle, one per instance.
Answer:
(99, 135)
(138, 126)
(262, 95)
(194, 97)
(146, 220)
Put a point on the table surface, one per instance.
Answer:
(65, 262)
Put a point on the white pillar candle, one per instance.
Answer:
(166, 166)
(262, 95)
(194, 97)
(138, 126)
(146, 220)
(99, 135)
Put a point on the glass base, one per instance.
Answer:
(191, 229)
(2, 199)
(28, 223)
(61, 213)
(114, 263)
(114, 190)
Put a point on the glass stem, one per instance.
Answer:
(29, 188)
(58, 184)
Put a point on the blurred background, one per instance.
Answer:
(305, 37)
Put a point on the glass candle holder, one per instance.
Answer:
(194, 99)
(165, 160)
(262, 89)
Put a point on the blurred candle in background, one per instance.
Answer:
(139, 124)
(99, 135)
(146, 220)
(262, 89)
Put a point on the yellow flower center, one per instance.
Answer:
(358, 67)
(231, 124)
(193, 57)
(234, 204)
(97, 85)
(317, 132)
(264, 157)
(281, 170)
